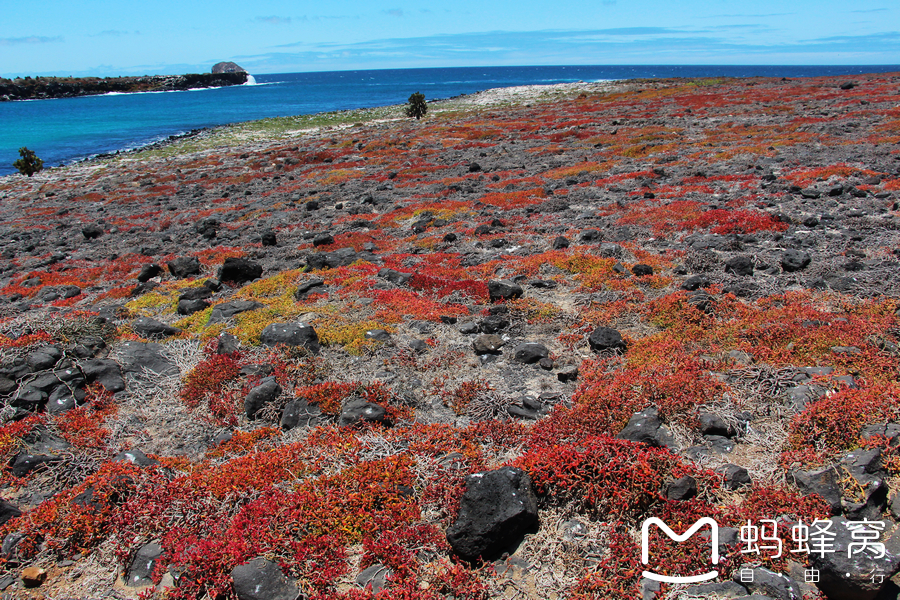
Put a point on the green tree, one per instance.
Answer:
(29, 164)
(416, 106)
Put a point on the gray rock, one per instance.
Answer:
(823, 482)
(488, 344)
(891, 431)
(567, 374)
(58, 292)
(530, 353)
(151, 328)
(560, 242)
(290, 334)
(140, 570)
(137, 358)
(148, 272)
(24, 463)
(267, 391)
(378, 335)
(683, 488)
(496, 511)
(226, 310)
(735, 477)
(227, 343)
(503, 290)
(136, 457)
(647, 428)
(692, 284)
(189, 307)
(795, 260)
(323, 239)
(395, 277)
(846, 573)
(339, 258)
(802, 395)
(306, 287)
(207, 228)
(468, 328)
(374, 578)
(299, 413)
(739, 265)
(713, 424)
(493, 324)
(43, 358)
(104, 371)
(722, 589)
(262, 579)
(92, 231)
(357, 410)
(8, 511)
(184, 266)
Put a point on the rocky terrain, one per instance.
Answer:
(465, 357)
(36, 88)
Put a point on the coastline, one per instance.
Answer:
(260, 129)
(46, 88)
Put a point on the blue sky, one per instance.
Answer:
(93, 37)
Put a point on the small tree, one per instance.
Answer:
(29, 164)
(416, 106)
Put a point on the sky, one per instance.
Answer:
(105, 38)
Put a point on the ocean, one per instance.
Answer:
(65, 130)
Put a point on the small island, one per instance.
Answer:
(34, 88)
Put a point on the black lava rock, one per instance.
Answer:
(503, 290)
(846, 574)
(606, 338)
(269, 238)
(92, 231)
(151, 328)
(148, 272)
(239, 270)
(290, 334)
(530, 353)
(735, 477)
(795, 260)
(184, 266)
(262, 579)
(496, 511)
(684, 488)
(559, 243)
(141, 568)
(739, 265)
(226, 310)
(267, 391)
(646, 427)
(323, 239)
(355, 410)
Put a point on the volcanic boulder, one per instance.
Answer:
(606, 338)
(290, 334)
(239, 270)
(262, 579)
(496, 511)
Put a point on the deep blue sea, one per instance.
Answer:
(67, 129)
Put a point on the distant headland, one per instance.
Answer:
(34, 88)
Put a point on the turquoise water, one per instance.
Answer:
(67, 129)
